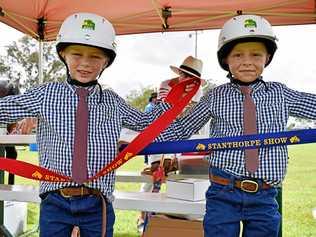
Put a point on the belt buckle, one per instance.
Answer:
(81, 191)
(82, 188)
(64, 195)
(251, 182)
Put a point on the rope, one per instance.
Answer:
(303, 15)
(280, 4)
(11, 16)
(138, 25)
(204, 19)
(21, 16)
(129, 17)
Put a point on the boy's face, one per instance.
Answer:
(85, 63)
(183, 75)
(247, 60)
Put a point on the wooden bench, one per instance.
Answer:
(152, 202)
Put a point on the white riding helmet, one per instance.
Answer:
(87, 29)
(245, 28)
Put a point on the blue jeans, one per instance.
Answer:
(58, 216)
(226, 206)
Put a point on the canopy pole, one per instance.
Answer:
(196, 42)
(40, 62)
(41, 33)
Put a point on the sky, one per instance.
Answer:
(143, 60)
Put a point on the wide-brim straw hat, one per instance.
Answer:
(192, 66)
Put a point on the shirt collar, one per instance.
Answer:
(92, 89)
(255, 86)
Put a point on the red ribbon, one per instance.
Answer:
(177, 102)
(31, 171)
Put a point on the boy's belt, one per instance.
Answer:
(246, 185)
(85, 191)
(78, 192)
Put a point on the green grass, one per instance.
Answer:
(299, 194)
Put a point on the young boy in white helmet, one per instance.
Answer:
(243, 184)
(86, 45)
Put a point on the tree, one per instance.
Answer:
(139, 98)
(20, 64)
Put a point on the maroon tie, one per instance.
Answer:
(79, 162)
(250, 127)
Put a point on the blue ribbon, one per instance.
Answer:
(232, 143)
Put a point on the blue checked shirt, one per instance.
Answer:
(223, 106)
(55, 106)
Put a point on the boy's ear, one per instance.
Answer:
(224, 61)
(268, 58)
(106, 62)
(62, 54)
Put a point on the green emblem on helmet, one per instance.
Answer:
(250, 23)
(88, 24)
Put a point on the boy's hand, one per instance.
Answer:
(165, 88)
(179, 93)
(188, 88)
(121, 145)
(25, 126)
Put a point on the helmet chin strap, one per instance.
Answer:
(78, 83)
(90, 83)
